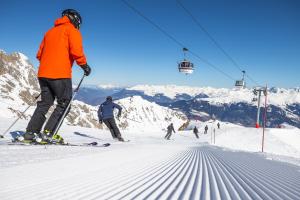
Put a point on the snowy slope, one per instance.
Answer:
(277, 141)
(150, 167)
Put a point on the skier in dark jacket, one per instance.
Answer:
(195, 130)
(218, 124)
(205, 129)
(106, 115)
(170, 128)
(61, 46)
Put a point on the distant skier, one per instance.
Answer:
(195, 130)
(218, 124)
(205, 129)
(170, 128)
(106, 115)
(61, 46)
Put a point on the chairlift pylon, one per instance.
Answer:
(185, 66)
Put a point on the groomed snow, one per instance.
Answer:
(151, 167)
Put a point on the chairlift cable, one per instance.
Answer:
(213, 40)
(174, 39)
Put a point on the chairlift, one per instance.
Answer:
(241, 83)
(254, 99)
(185, 66)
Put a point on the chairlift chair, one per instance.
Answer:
(241, 83)
(185, 66)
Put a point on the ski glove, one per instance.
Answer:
(86, 68)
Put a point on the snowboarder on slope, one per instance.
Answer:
(195, 130)
(170, 128)
(205, 129)
(106, 115)
(61, 46)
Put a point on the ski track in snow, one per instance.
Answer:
(202, 172)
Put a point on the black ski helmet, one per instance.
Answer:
(73, 16)
(108, 98)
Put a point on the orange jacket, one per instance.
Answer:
(61, 45)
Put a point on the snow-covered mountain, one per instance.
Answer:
(95, 95)
(141, 114)
(276, 96)
(18, 80)
(19, 86)
(231, 105)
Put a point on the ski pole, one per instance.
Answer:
(66, 110)
(22, 113)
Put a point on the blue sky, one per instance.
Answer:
(263, 37)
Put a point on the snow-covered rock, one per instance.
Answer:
(18, 81)
(19, 87)
(143, 115)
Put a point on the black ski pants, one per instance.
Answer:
(51, 89)
(169, 134)
(113, 128)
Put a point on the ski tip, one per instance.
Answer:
(96, 144)
(93, 144)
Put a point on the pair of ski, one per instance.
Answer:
(92, 144)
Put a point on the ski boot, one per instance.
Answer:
(58, 139)
(48, 137)
(30, 137)
(119, 137)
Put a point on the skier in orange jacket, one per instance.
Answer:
(61, 46)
